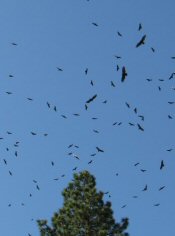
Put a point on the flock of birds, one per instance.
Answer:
(73, 147)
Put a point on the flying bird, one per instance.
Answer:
(112, 84)
(86, 71)
(141, 42)
(161, 188)
(99, 149)
(145, 188)
(91, 99)
(162, 165)
(95, 24)
(59, 69)
(140, 27)
(140, 127)
(119, 34)
(124, 74)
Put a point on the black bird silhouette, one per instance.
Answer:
(95, 24)
(162, 165)
(86, 107)
(170, 117)
(124, 74)
(48, 104)
(92, 83)
(118, 57)
(71, 145)
(37, 187)
(74, 168)
(112, 84)
(52, 163)
(10, 172)
(9, 93)
(145, 188)
(30, 99)
(161, 188)
(14, 44)
(65, 117)
(5, 162)
(90, 162)
(143, 170)
(141, 42)
(16, 153)
(136, 164)
(140, 27)
(99, 149)
(118, 67)
(131, 124)
(11, 76)
(33, 133)
(127, 104)
(142, 117)
(59, 69)
(119, 34)
(93, 154)
(140, 127)
(149, 80)
(91, 99)
(152, 49)
(55, 108)
(86, 71)
(124, 206)
(157, 204)
(95, 131)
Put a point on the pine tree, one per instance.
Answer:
(84, 212)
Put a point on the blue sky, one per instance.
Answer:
(51, 34)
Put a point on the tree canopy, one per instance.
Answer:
(84, 212)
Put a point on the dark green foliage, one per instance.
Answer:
(84, 212)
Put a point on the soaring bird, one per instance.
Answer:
(162, 165)
(127, 104)
(140, 27)
(86, 71)
(99, 149)
(14, 44)
(140, 127)
(124, 74)
(161, 188)
(112, 84)
(141, 42)
(119, 34)
(95, 24)
(145, 188)
(59, 69)
(91, 99)
(90, 162)
(33, 133)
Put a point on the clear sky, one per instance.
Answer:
(36, 37)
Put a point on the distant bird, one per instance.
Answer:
(141, 42)
(65, 117)
(112, 84)
(70, 145)
(142, 117)
(30, 99)
(119, 123)
(105, 101)
(74, 168)
(157, 204)
(34, 181)
(95, 131)
(170, 117)
(63, 175)
(16, 153)
(52, 163)
(124, 74)
(161, 80)
(37, 187)
(140, 27)
(76, 114)
(127, 104)
(114, 123)
(33, 133)
(94, 118)
(159, 88)
(140, 127)
(5, 162)
(171, 103)
(118, 57)
(131, 124)
(90, 161)
(91, 99)
(55, 108)
(95, 24)
(11, 76)
(162, 165)
(169, 150)
(59, 69)
(152, 49)
(9, 93)
(119, 34)
(86, 107)
(135, 110)
(145, 188)
(10, 172)
(143, 170)
(93, 154)
(118, 67)
(9, 132)
(92, 83)
(149, 80)
(124, 206)
(135, 196)
(161, 188)
(76, 146)
(99, 149)
(86, 71)
(14, 44)
(48, 104)
(136, 164)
